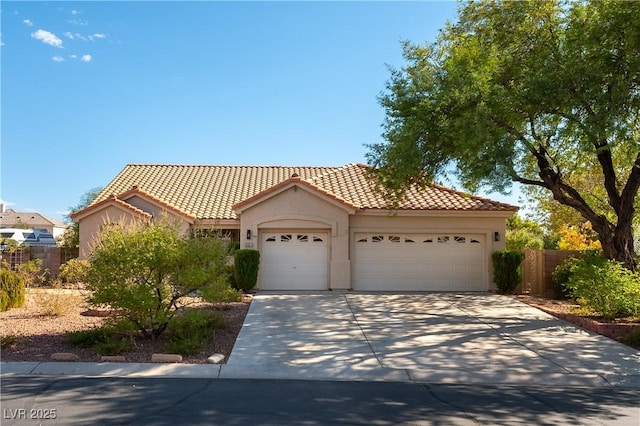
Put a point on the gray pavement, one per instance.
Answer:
(444, 338)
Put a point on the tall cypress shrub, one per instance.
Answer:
(12, 285)
(246, 264)
(506, 269)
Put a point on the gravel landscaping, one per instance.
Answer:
(38, 330)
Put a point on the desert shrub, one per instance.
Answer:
(8, 341)
(57, 303)
(191, 331)
(221, 292)
(560, 277)
(4, 301)
(32, 273)
(113, 338)
(246, 265)
(506, 269)
(144, 270)
(605, 286)
(12, 284)
(74, 271)
(91, 337)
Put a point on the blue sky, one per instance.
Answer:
(88, 87)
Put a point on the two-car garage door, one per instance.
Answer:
(419, 262)
(298, 260)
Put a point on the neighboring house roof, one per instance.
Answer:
(9, 218)
(211, 192)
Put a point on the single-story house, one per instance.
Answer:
(317, 228)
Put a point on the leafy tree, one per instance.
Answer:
(531, 92)
(523, 233)
(577, 238)
(144, 271)
(71, 237)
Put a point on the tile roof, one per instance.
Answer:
(9, 218)
(211, 191)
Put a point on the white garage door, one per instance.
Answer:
(294, 260)
(419, 262)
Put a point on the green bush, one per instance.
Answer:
(144, 270)
(13, 284)
(74, 271)
(190, 332)
(246, 265)
(90, 338)
(4, 301)
(560, 278)
(112, 339)
(221, 292)
(605, 287)
(506, 269)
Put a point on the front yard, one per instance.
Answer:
(37, 330)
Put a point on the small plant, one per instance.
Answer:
(90, 338)
(12, 284)
(74, 271)
(221, 292)
(506, 269)
(190, 332)
(9, 341)
(32, 273)
(111, 339)
(246, 264)
(57, 303)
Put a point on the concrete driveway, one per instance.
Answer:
(427, 337)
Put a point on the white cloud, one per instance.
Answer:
(75, 12)
(97, 35)
(27, 22)
(86, 58)
(73, 56)
(58, 59)
(68, 35)
(79, 22)
(47, 37)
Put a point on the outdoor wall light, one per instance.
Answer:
(3, 246)
(496, 236)
(248, 234)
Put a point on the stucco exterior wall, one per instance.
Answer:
(91, 225)
(299, 208)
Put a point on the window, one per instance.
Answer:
(377, 238)
(428, 240)
(302, 238)
(285, 238)
(443, 239)
(394, 238)
(362, 240)
(459, 239)
(408, 240)
(474, 241)
(317, 239)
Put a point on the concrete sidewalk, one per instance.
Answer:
(429, 337)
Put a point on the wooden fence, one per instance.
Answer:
(52, 257)
(537, 269)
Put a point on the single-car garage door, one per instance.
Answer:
(419, 262)
(294, 260)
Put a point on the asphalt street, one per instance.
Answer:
(163, 401)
